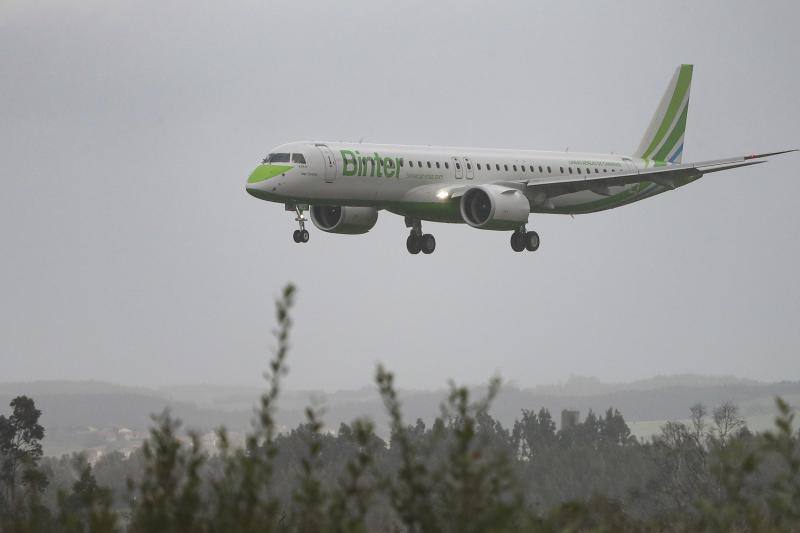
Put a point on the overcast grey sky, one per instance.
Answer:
(131, 252)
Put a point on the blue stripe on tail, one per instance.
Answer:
(677, 154)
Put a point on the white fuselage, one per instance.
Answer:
(408, 180)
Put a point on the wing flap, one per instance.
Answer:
(734, 165)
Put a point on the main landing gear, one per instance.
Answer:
(417, 241)
(524, 240)
(300, 235)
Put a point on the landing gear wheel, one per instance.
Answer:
(299, 235)
(428, 243)
(517, 241)
(414, 244)
(532, 241)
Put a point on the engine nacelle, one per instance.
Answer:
(348, 220)
(495, 207)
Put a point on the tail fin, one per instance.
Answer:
(663, 140)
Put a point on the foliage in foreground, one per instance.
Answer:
(466, 473)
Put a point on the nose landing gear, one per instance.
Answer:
(524, 240)
(300, 235)
(417, 241)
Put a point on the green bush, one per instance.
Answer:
(466, 473)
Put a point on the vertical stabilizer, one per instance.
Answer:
(663, 140)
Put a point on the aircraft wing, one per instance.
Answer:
(669, 176)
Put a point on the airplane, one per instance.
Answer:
(345, 185)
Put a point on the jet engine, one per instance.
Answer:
(347, 220)
(494, 207)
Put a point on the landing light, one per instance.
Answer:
(442, 195)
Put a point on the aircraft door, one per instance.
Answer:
(469, 172)
(329, 163)
(458, 167)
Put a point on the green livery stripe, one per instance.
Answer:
(447, 211)
(682, 85)
(674, 136)
(265, 172)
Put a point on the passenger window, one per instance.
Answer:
(458, 166)
(469, 166)
(605, 170)
(515, 168)
(497, 166)
(505, 167)
(411, 164)
(561, 169)
(540, 168)
(579, 170)
(479, 166)
(437, 165)
(429, 164)
(596, 171)
(522, 167)
(446, 164)
(419, 164)
(298, 158)
(548, 170)
(570, 170)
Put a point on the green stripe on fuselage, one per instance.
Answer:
(267, 171)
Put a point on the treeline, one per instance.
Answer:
(464, 473)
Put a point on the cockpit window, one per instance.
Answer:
(298, 158)
(277, 158)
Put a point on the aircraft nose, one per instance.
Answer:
(265, 172)
(265, 179)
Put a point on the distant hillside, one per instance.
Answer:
(590, 386)
(80, 404)
(74, 411)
